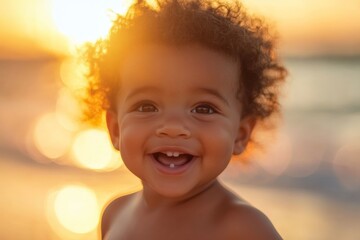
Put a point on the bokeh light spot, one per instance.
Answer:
(76, 208)
(68, 110)
(50, 138)
(73, 73)
(93, 149)
(307, 155)
(346, 165)
(278, 157)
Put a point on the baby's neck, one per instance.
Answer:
(151, 200)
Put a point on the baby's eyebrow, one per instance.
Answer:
(213, 92)
(141, 90)
(148, 89)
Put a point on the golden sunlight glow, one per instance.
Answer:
(76, 208)
(308, 26)
(86, 20)
(72, 74)
(93, 149)
(50, 138)
(68, 110)
(31, 28)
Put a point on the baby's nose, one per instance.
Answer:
(173, 130)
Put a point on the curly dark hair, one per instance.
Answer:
(216, 25)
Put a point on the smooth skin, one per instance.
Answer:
(180, 99)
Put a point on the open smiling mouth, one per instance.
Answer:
(173, 159)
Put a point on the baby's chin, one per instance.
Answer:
(171, 192)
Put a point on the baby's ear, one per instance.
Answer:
(113, 128)
(246, 127)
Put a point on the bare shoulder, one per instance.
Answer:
(111, 210)
(243, 221)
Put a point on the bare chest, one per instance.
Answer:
(171, 227)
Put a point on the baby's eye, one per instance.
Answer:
(203, 109)
(147, 107)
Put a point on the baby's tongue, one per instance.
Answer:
(164, 159)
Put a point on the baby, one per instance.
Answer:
(183, 84)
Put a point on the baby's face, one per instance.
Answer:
(178, 120)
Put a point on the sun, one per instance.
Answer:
(86, 20)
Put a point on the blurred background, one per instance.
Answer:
(57, 174)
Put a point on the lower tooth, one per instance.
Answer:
(172, 165)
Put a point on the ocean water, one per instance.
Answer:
(323, 84)
(308, 182)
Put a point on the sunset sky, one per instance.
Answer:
(41, 28)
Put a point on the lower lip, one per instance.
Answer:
(172, 171)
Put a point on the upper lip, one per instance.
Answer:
(172, 149)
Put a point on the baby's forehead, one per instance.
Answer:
(179, 74)
(181, 65)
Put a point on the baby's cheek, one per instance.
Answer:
(131, 152)
(221, 142)
(128, 141)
